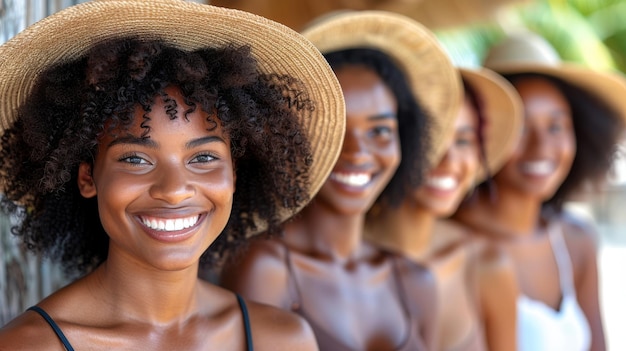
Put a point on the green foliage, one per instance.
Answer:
(591, 32)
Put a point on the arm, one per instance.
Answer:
(497, 298)
(259, 274)
(581, 243)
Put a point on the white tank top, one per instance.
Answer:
(539, 326)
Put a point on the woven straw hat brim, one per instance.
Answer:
(69, 34)
(504, 114)
(607, 87)
(434, 81)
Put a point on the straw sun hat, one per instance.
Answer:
(69, 34)
(527, 52)
(503, 112)
(434, 81)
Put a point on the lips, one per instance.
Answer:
(351, 179)
(444, 183)
(538, 168)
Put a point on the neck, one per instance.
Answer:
(321, 232)
(512, 214)
(135, 290)
(406, 230)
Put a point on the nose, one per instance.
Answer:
(354, 147)
(171, 185)
(449, 160)
(537, 144)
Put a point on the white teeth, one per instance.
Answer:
(539, 168)
(169, 224)
(352, 179)
(442, 183)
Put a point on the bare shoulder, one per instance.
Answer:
(581, 239)
(490, 257)
(578, 230)
(259, 272)
(275, 329)
(28, 331)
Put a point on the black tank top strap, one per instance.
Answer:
(53, 325)
(246, 322)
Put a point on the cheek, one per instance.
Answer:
(392, 153)
(471, 166)
(569, 148)
(218, 185)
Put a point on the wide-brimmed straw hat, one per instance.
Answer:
(434, 81)
(503, 111)
(69, 34)
(527, 52)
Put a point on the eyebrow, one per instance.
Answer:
(147, 142)
(387, 115)
(204, 140)
(129, 139)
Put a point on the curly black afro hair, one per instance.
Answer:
(598, 130)
(412, 120)
(60, 123)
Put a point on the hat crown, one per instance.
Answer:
(522, 48)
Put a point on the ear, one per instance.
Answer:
(234, 175)
(86, 186)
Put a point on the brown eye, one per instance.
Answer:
(203, 158)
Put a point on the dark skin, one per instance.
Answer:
(343, 280)
(183, 171)
(476, 282)
(532, 175)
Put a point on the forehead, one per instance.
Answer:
(168, 115)
(364, 91)
(538, 87)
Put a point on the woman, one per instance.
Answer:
(476, 285)
(355, 296)
(573, 120)
(122, 147)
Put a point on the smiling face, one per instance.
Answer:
(371, 149)
(165, 197)
(447, 183)
(545, 154)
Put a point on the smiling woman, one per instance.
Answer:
(395, 78)
(122, 150)
(574, 117)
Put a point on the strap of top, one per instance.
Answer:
(53, 325)
(562, 257)
(246, 322)
(68, 347)
(293, 287)
(400, 288)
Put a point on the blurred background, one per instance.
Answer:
(590, 32)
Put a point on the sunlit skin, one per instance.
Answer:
(181, 170)
(547, 148)
(446, 184)
(371, 148)
(344, 281)
(534, 173)
(466, 270)
(145, 184)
